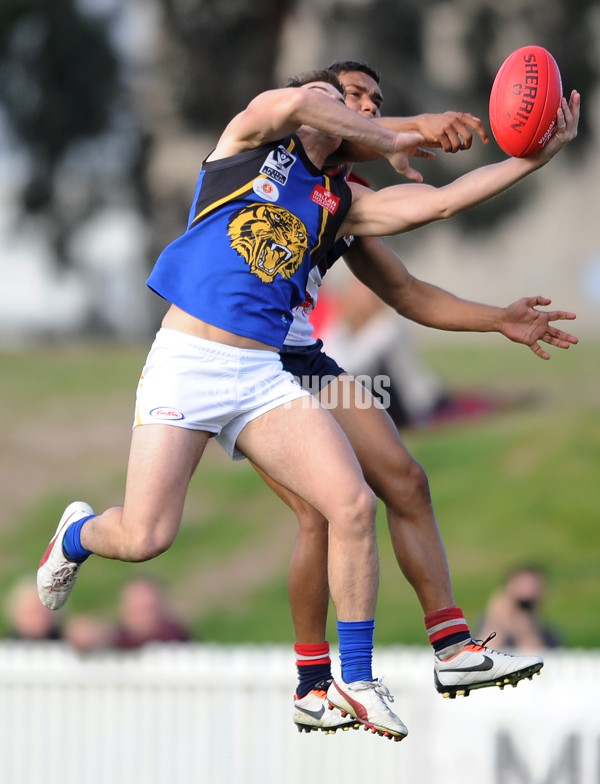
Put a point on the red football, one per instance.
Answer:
(524, 100)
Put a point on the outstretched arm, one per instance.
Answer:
(523, 323)
(401, 208)
(379, 268)
(450, 131)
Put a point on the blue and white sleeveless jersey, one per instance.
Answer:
(259, 221)
(301, 330)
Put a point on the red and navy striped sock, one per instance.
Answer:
(448, 631)
(313, 665)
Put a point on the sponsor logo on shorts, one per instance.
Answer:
(265, 188)
(325, 198)
(164, 412)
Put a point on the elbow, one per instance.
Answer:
(296, 104)
(446, 210)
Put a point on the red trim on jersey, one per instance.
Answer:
(357, 179)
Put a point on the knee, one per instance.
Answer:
(358, 516)
(402, 481)
(144, 545)
(311, 523)
(416, 479)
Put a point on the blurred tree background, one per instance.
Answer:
(107, 108)
(112, 105)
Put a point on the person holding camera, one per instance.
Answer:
(513, 613)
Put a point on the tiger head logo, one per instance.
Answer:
(270, 239)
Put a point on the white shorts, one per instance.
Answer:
(202, 385)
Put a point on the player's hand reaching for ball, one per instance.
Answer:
(524, 323)
(567, 119)
(451, 131)
(405, 145)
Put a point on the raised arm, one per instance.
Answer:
(277, 113)
(401, 208)
(380, 269)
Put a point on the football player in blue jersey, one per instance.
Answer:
(263, 213)
(390, 470)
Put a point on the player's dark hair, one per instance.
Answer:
(329, 77)
(343, 66)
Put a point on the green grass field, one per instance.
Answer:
(517, 487)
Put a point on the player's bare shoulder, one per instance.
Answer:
(268, 116)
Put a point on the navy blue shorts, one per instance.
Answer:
(310, 365)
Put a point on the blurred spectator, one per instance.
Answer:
(513, 613)
(87, 633)
(144, 616)
(27, 617)
(366, 337)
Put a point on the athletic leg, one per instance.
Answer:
(323, 470)
(301, 447)
(308, 587)
(400, 482)
(162, 459)
(308, 591)
(161, 463)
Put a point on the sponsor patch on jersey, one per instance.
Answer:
(277, 165)
(164, 412)
(263, 187)
(325, 199)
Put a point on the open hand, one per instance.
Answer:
(524, 323)
(451, 131)
(567, 119)
(408, 144)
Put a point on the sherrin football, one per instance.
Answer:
(524, 100)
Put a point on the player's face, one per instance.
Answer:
(362, 93)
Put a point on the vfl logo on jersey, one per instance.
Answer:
(270, 239)
(265, 188)
(164, 412)
(325, 198)
(277, 165)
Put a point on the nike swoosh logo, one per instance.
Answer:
(315, 714)
(485, 664)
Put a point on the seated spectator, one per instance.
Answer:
(87, 633)
(513, 613)
(144, 616)
(27, 617)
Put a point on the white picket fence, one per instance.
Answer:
(206, 714)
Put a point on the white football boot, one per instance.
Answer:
(477, 667)
(366, 702)
(56, 573)
(312, 712)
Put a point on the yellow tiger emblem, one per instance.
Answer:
(270, 239)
